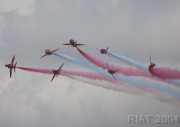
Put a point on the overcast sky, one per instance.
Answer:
(138, 28)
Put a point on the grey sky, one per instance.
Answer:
(139, 28)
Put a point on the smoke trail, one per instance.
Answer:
(116, 87)
(165, 73)
(174, 82)
(125, 79)
(135, 87)
(127, 60)
(124, 70)
(76, 61)
(81, 63)
(139, 82)
(162, 74)
(64, 57)
(154, 86)
(90, 75)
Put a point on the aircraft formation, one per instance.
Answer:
(137, 77)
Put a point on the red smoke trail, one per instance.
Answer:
(124, 70)
(160, 72)
(165, 73)
(93, 76)
(169, 76)
(131, 89)
(90, 75)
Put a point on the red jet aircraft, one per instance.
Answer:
(104, 51)
(57, 72)
(73, 43)
(49, 52)
(151, 66)
(11, 66)
(112, 72)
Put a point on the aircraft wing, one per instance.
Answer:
(80, 44)
(60, 67)
(66, 44)
(53, 77)
(12, 61)
(43, 56)
(10, 71)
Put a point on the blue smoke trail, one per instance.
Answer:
(138, 82)
(141, 83)
(81, 63)
(66, 58)
(174, 82)
(128, 61)
(138, 65)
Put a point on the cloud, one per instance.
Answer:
(138, 28)
(44, 104)
(21, 7)
(151, 27)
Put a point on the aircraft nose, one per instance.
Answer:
(6, 65)
(102, 51)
